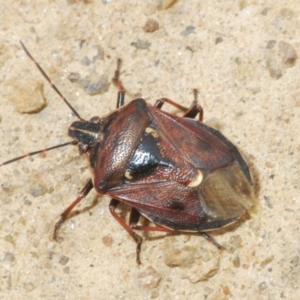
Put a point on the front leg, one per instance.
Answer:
(87, 188)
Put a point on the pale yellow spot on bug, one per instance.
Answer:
(151, 131)
(128, 175)
(197, 180)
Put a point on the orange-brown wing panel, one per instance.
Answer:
(191, 140)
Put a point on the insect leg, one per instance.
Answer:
(118, 83)
(133, 218)
(160, 102)
(212, 240)
(191, 112)
(195, 108)
(163, 229)
(87, 188)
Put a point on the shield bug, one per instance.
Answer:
(177, 172)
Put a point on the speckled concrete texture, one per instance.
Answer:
(242, 56)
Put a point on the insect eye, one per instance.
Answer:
(95, 120)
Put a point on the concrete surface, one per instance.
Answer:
(243, 58)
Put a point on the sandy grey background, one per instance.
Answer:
(243, 58)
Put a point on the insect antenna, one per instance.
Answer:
(50, 82)
(37, 152)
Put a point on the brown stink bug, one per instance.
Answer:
(175, 171)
